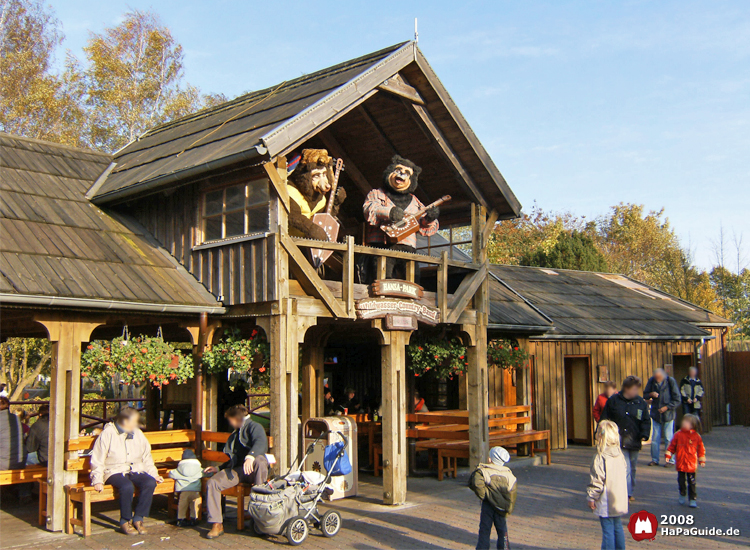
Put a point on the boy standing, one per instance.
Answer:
(187, 478)
(495, 485)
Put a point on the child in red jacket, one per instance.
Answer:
(687, 446)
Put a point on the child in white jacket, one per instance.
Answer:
(187, 478)
(608, 489)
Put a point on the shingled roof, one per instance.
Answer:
(58, 249)
(588, 305)
(260, 125)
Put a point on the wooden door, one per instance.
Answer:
(578, 419)
(681, 363)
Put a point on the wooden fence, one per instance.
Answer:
(738, 386)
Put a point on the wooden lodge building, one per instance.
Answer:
(92, 242)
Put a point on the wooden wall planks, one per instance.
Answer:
(240, 272)
(622, 359)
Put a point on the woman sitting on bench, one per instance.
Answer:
(122, 458)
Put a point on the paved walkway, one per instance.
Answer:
(551, 511)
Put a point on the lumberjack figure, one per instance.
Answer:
(307, 186)
(389, 205)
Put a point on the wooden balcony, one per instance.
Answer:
(336, 298)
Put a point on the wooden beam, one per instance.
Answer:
(465, 293)
(362, 109)
(442, 287)
(393, 372)
(309, 280)
(396, 85)
(426, 122)
(350, 168)
(66, 338)
(278, 180)
(489, 227)
(347, 277)
(380, 267)
(312, 382)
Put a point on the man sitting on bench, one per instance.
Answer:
(247, 448)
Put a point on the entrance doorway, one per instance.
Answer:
(681, 363)
(579, 426)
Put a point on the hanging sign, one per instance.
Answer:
(377, 308)
(396, 288)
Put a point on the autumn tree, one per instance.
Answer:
(135, 80)
(21, 361)
(639, 243)
(574, 250)
(34, 101)
(512, 240)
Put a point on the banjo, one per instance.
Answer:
(325, 220)
(409, 225)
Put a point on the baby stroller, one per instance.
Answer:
(289, 505)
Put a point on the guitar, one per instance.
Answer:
(409, 225)
(325, 220)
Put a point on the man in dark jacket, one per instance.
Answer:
(629, 411)
(12, 453)
(246, 447)
(37, 441)
(663, 394)
(692, 392)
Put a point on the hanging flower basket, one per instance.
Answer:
(441, 357)
(136, 360)
(243, 355)
(506, 354)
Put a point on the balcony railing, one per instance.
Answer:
(339, 295)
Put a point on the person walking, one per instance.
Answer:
(246, 447)
(687, 447)
(664, 396)
(610, 388)
(607, 490)
(496, 487)
(629, 411)
(187, 476)
(122, 458)
(691, 389)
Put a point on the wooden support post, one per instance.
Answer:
(312, 382)
(411, 268)
(393, 367)
(292, 385)
(477, 375)
(442, 287)
(347, 280)
(380, 270)
(66, 338)
(275, 327)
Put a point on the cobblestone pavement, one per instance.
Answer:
(551, 511)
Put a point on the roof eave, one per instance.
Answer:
(626, 337)
(113, 305)
(253, 154)
(507, 327)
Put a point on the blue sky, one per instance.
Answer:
(581, 104)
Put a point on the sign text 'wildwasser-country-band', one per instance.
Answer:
(376, 308)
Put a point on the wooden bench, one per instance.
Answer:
(166, 450)
(31, 474)
(446, 433)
